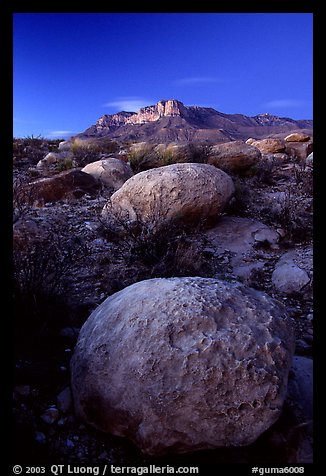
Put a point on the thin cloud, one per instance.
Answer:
(191, 81)
(59, 134)
(128, 103)
(289, 103)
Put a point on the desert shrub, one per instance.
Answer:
(168, 156)
(142, 157)
(242, 199)
(146, 156)
(196, 153)
(84, 153)
(304, 180)
(88, 150)
(30, 150)
(65, 164)
(263, 171)
(23, 197)
(41, 267)
(158, 248)
(294, 215)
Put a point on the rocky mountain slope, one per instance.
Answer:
(170, 120)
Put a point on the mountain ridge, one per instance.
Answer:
(170, 120)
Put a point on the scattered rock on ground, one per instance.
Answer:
(235, 241)
(288, 278)
(182, 364)
(293, 272)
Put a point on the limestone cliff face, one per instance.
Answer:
(163, 108)
(172, 107)
(171, 121)
(113, 120)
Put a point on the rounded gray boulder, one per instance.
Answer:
(183, 364)
(235, 156)
(111, 172)
(186, 192)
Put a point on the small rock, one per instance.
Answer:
(50, 415)
(62, 421)
(266, 235)
(288, 278)
(64, 400)
(40, 437)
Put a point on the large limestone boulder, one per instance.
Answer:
(55, 158)
(299, 150)
(234, 156)
(68, 184)
(297, 137)
(184, 193)
(182, 364)
(111, 172)
(267, 146)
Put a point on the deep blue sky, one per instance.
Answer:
(70, 69)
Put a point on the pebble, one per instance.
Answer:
(62, 421)
(50, 415)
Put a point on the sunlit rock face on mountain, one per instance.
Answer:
(172, 121)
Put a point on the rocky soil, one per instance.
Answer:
(66, 263)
